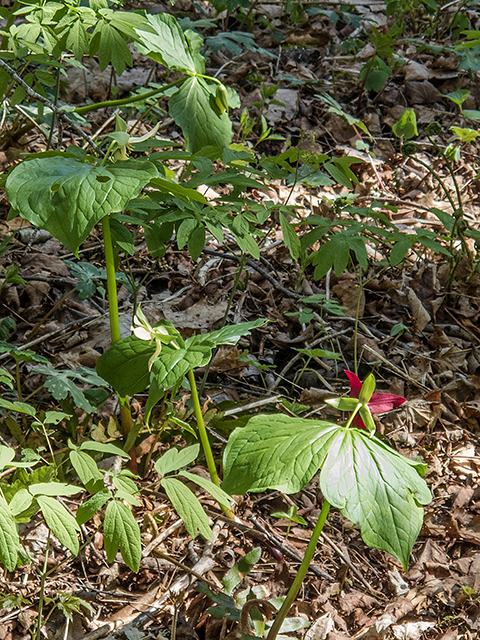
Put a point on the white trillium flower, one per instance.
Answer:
(143, 330)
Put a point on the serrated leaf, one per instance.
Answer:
(216, 492)
(68, 197)
(86, 510)
(202, 125)
(174, 459)
(188, 508)
(53, 489)
(376, 488)
(9, 540)
(60, 522)
(275, 452)
(125, 365)
(120, 530)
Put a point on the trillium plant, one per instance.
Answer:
(369, 482)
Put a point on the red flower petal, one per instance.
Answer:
(355, 384)
(381, 402)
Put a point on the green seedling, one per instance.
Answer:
(291, 516)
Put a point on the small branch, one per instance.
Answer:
(61, 115)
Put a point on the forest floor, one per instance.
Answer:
(433, 360)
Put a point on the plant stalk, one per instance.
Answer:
(302, 572)
(42, 590)
(125, 415)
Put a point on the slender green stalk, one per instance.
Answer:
(123, 101)
(302, 572)
(42, 590)
(202, 432)
(125, 415)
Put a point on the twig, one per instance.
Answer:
(161, 537)
(58, 112)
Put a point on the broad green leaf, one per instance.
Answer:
(120, 494)
(406, 127)
(192, 109)
(175, 459)
(124, 483)
(87, 470)
(60, 522)
(169, 186)
(188, 508)
(86, 510)
(167, 45)
(7, 454)
(125, 365)
(121, 530)
(275, 451)
(368, 387)
(55, 417)
(216, 492)
(20, 501)
(376, 488)
(53, 489)
(103, 447)
(9, 540)
(67, 197)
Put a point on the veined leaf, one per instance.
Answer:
(68, 197)
(230, 334)
(87, 470)
(174, 459)
(125, 365)
(86, 510)
(188, 508)
(7, 454)
(103, 447)
(192, 109)
(20, 502)
(60, 522)
(9, 540)
(216, 492)
(53, 489)
(121, 530)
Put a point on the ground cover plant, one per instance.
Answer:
(215, 216)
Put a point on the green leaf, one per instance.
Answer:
(68, 197)
(121, 530)
(240, 569)
(87, 470)
(290, 237)
(376, 488)
(53, 489)
(230, 334)
(9, 540)
(60, 522)
(21, 407)
(7, 454)
(20, 502)
(174, 459)
(216, 492)
(188, 508)
(86, 510)
(125, 365)
(60, 383)
(368, 387)
(191, 108)
(103, 447)
(167, 44)
(406, 126)
(275, 452)
(343, 404)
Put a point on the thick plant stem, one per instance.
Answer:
(302, 572)
(202, 432)
(125, 415)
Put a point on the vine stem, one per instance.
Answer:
(125, 415)
(302, 572)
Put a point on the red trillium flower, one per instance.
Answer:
(378, 403)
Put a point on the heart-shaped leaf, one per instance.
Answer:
(67, 197)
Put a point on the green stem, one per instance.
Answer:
(42, 590)
(125, 415)
(202, 432)
(123, 101)
(302, 572)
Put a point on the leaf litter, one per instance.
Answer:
(434, 363)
